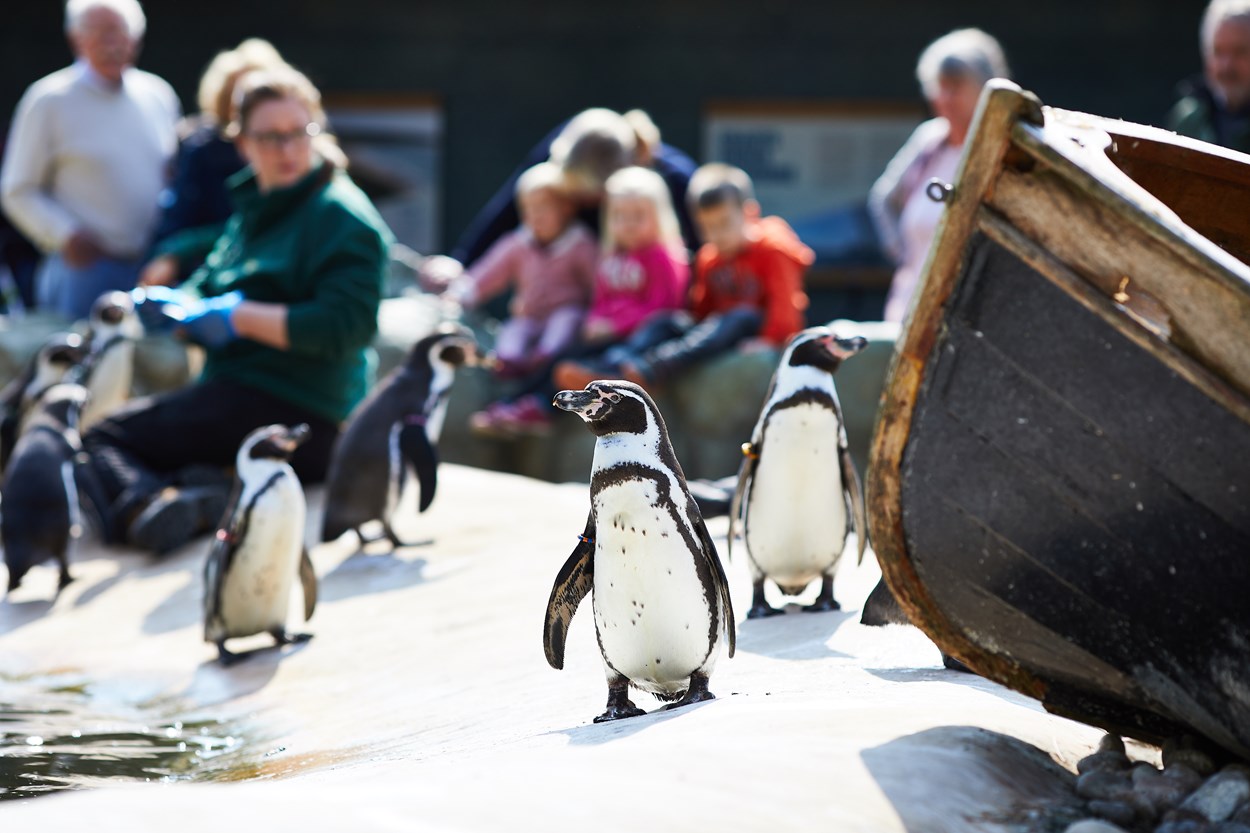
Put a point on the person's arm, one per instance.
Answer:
(495, 272)
(28, 163)
(784, 299)
(892, 189)
(175, 255)
(266, 323)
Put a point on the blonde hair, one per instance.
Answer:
(968, 52)
(646, 134)
(216, 93)
(594, 144)
(641, 183)
(543, 176)
(277, 84)
(716, 184)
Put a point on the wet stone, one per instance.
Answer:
(1184, 821)
(1230, 827)
(1100, 785)
(1106, 761)
(1185, 750)
(1118, 812)
(1220, 796)
(1094, 826)
(1183, 776)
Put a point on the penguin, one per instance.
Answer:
(109, 366)
(798, 493)
(660, 597)
(41, 507)
(396, 426)
(259, 547)
(51, 364)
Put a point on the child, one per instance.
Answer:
(642, 272)
(550, 260)
(748, 290)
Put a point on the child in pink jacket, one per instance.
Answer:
(549, 262)
(643, 270)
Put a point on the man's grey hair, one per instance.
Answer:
(130, 11)
(962, 52)
(1218, 12)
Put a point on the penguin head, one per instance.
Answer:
(273, 442)
(450, 345)
(609, 407)
(114, 313)
(821, 348)
(60, 405)
(56, 358)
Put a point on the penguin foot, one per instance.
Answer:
(620, 711)
(697, 693)
(281, 637)
(66, 578)
(822, 606)
(762, 610)
(226, 658)
(955, 665)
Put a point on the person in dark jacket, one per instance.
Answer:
(286, 307)
(591, 146)
(1216, 106)
(197, 202)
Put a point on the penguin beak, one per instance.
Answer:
(844, 348)
(293, 438)
(576, 401)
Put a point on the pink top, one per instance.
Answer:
(560, 274)
(629, 286)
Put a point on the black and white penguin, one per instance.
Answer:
(395, 427)
(798, 494)
(108, 368)
(259, 547)
(41, 508)
(52, 364)
(660, 597)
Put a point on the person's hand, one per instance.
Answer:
(598, 329)
(755, 345)
(160, 271)
(209, 324)
(160, 308)
(437, 272)
(81, 250)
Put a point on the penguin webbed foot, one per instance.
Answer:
(226, 658)
(697, 693)
(825, 601)
(397, 542)
(760, 608)
(281, 637)
(619, 704)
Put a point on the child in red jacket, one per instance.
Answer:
(747, 294)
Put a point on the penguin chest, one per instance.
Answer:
(110, 383)
(652, 611)
(796, 519)
(257, 586)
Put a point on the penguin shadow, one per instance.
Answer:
(597, 734)
(940, 674)
(16, 615)
(795, 635)
(368, 570)
(214, 683)
(180, 609)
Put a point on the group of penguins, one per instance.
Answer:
(660, 596)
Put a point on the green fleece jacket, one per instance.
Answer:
(321, 248)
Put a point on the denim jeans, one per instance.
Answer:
(70, 292)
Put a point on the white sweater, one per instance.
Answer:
(84, 155)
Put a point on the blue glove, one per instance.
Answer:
(208, 322)
(161, 308)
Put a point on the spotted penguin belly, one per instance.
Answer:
(651, 612)
(796, 520)
(256, 590)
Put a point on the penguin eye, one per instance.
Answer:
(614, 397)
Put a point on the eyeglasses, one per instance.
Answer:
(277, 139)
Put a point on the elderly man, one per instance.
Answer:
(1216, 107)
(87, 158)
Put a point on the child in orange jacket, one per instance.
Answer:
(747, 293)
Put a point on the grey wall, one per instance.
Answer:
(508, 71)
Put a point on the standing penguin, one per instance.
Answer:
(41, 510)
(51, 365)
(660, 596)
(260, 545)
(397, 425)
(798, 492)
(109, 367)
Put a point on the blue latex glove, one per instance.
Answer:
(208, 322)
(161, 308)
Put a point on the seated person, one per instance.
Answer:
(286, 306)
(643, 272)
(549, 262)
(748, 290)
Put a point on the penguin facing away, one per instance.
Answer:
(395, 427)
(259, 547)
(661, 601)
(41, 509)
(51, 365)
(798, 493)
(109, 367)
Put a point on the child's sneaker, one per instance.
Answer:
(527, 416)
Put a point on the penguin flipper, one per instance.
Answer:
(746, 471)
(719, 579)
(225, 542)
(308, 581)
(418, 451)
(855, 492)
(573, 582)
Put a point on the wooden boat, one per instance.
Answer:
(1060, 475)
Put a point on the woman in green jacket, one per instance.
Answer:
(286, 306)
